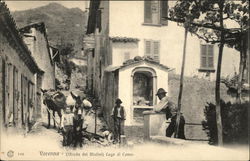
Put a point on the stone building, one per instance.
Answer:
(131, 77)
(35, 37)
(119, 31)
(19, 75)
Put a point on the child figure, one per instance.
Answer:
(67, 125)
(119, 116)
(78, 136)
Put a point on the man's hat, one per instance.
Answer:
(160, 90)
(118, 101)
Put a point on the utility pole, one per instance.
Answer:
(181, 80)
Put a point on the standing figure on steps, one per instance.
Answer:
(119, 116)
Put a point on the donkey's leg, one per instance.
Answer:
(48, 119)
(60, 116)
(54, 119)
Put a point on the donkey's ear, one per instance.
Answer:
(43, 91)
(73, 96)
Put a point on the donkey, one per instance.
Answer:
(80, 110)
(56, 102)
(82, 105)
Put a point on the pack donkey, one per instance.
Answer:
(55, 101)
(81, 108)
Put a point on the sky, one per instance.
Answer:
(24, 5)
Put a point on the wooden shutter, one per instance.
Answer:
(164, 12)
(22, 98)
(156, 50)
(210, 56)
(203, 56)
(147, 48)
(15, 94)
(147, 11)
(6, 90)
(3, 83)
(207, 56)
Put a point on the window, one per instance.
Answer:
(207, 57)
(152, 49)
(126, 56)
(155, 12)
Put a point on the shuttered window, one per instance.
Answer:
(152, 49)
(207, 56)
(164, 12)
(22, 98)
(156, 49)
(147, 12)
(155, 12)
(148, 48)
(15, 93)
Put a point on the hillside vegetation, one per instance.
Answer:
(64, 25)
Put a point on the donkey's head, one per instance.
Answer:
(82, 105)
(78, 100)
(46, 95)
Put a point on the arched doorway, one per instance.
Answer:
(142, 88)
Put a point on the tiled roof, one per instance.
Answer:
(139, 59)
(38, 25)
(136, 61)
(124, 39)
(8, 23)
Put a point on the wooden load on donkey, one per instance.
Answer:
(55, 102)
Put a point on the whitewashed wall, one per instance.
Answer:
(126, 20)
(119, 49)
(80, 62)
(40, 53)
(125, 92)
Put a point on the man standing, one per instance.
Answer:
(171, 112)
(119, 116)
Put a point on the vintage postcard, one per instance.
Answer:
(124, 80)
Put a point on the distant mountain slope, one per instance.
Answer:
(64, 25)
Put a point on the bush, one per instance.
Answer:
(234, 122)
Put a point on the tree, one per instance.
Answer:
(66, 51)
(208, 19)
(239, 40)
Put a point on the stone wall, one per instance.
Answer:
(42, 57)
(196, 93)
(61, 76)
(78, 78)
(14, 97)
(39, 47)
